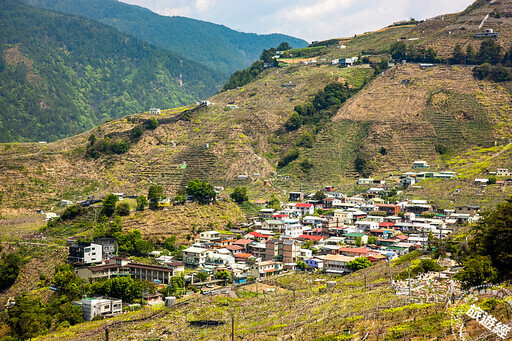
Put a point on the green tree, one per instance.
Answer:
(491, 180)
(294, 122)
(177, 285)
(240, 194)
(10, 266)
(470, 55)
(115, 226)
(155, 194)
(202, 276)
(152, 123)
(359, 241)
(202, 191)
(123, 209)
(28, 319)
(492, 238)
(398, 50)
(71, 212)
(68, 282)
(490, 52)
(458, 56)
(507, 59)
(284, 46)
(223, 274)
(287, 158)
(141, 202)
(319, 195)
(109, 205)
(477, 270)
(274, 203)
(359, 263)
(170, 243)
(301, 265)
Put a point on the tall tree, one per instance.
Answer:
(202, 191)
(240, 194)
(490, 52)
(155, 194)
(458, 56)
(109, 205)
(470, 55)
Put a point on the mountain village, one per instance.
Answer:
(307, 234)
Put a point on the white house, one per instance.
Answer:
(294, 231)
(305, 209)
(85, 253)
(92, 307)
(420, 164)
(208, 236)
(367, 225)
(195, 255)
(154, 111)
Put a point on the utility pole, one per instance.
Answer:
(409, 274)
(106, 334)
(390, 275)
(233, 327)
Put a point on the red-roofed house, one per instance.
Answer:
(256, 235)
(376, 258)
(235, 249)
(308, 237)
(242, 257)
(306, 209)
(353, 252)
(259, 202)
(402, 237)
(390, 209)
(243, 243)
(386, 225)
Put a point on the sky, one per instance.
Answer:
(306, 19)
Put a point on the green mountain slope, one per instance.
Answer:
(61, 75)
(213, 45)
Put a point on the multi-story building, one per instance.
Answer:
(109, 246)
(195, 256)
(285, 250)
(266, 268)
(85, 253)
(291, 250)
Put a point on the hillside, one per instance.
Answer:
(400, 115)
(61, 75)
(287, 308)
(215, 46)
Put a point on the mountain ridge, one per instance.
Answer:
(214, 45)
(57, 81)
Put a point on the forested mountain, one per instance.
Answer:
(61, 75)
(213, 45)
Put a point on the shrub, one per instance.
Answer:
(287, 158)
(239, 194)
(305, 165)
(71, 212)
(123, 209)
(152, 123)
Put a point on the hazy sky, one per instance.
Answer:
(307, 19)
